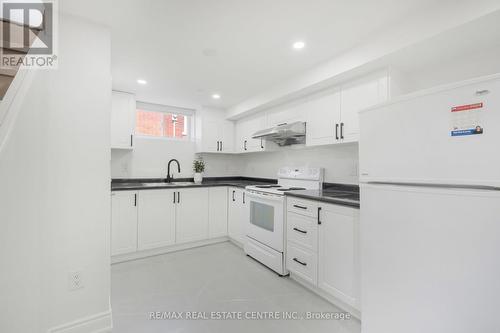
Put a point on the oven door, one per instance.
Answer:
(265, 223)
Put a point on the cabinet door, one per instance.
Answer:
(245, 128)
(122, 120)
(256, 123)
(217, 212)
(210, 136)
(323, 119)
(156, 219)
(243, 216)
(240, 137)
(356, 97)
(236, 215)
(192, 215)
(289, 113)
(227, 136)
(338, 255)
(123, 222)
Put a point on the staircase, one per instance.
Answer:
(14, 47)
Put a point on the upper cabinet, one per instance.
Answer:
(357, 96)
(214, 133)
(245, 128)
(122, 120)
(332, 116)
(323, 118)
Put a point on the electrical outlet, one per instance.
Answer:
(75, 280)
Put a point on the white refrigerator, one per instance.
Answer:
(430, 211)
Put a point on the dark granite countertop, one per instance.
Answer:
(156, 183)
(339, 194)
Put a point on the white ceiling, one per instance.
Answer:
(189, 49)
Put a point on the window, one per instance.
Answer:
(161, 124)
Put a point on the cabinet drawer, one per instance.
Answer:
(303, 263)
(303, 231)
(302, 207)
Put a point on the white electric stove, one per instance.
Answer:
(265, 229)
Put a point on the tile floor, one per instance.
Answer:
(212, 278)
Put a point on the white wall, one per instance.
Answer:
(340, 162)
(54, 189)
(150, 157)
(415, 28)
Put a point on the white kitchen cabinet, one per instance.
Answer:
(191, 214)
(332, 116)
(123, 110)
(217, 212)
(338, 253)
(357, 96)
(156, 222)
(323, 119)
(237, 214)
(245, 128)
(214, 133)
(323, 248)
(123, 222)
(287, 114)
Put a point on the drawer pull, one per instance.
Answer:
(301, 231)
(300, 262)
(300, 207)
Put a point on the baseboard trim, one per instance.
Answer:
(97, 323)
(331, 299)
(164, 250)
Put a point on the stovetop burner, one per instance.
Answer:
(291, 189)
(267, 186)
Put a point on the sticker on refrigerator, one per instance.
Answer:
(466, 120)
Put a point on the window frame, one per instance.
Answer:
(188, 114)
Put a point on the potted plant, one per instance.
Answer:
(198, 168)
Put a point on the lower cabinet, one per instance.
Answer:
(151, 219)
(123, 222)
(217, 212)
(323, 248)
(338, 254)
(237, 214)
(156, 222)
(192, 215)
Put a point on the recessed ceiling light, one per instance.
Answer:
(141, 81)
(299, 45)
(216, 96)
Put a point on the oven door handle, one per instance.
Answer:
(273, 197)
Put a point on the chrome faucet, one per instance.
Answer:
(169, 178)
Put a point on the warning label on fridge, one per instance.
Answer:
(466, 120)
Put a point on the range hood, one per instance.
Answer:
(284, 134)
